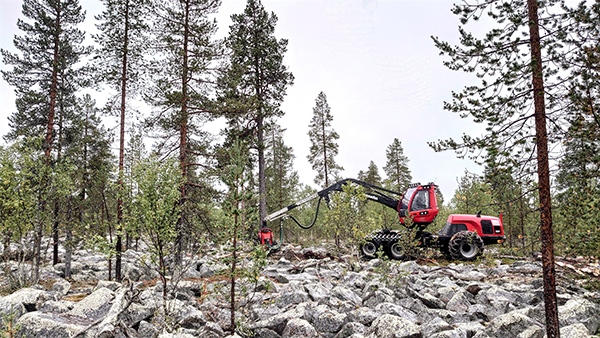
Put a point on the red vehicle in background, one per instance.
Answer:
(462, 238)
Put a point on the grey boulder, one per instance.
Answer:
(390, 326)
(299, 328)
(580, 311)
(509, 325)
(43, 325)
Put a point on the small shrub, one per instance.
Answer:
(9, 327)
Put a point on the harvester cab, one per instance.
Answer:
(420, 203)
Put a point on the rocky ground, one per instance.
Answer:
(300, 293)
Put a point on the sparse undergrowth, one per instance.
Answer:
(10, 328)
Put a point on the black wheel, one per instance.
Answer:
(465, 246)
(368, 250)
(395, 251)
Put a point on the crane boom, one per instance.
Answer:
(374, 193)
(283, 212)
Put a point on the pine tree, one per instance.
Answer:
(515, 78)
(67, 112)
(184, 74)
(45, 72)
(255, 82)
(91, 158)
(45, 77)
(511, 199)
(123, 42)
(472, 195)
(323, 138)
(134, 151)
(396, 167)
(281, 178)
(18, 168)
(581, 162)
(236, 180)
(372, 175)
(579, 169)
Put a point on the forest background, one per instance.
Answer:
(371, 58)
(65, 174)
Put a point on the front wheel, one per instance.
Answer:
(465, 246)
(368, 250)
(395, 251)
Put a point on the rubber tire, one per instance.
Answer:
(368, 250)
(394, 251)
(465, 246)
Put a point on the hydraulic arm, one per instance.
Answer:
(373, 193)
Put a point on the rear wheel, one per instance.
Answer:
(465, 246)
(368, 250)
(395, 251)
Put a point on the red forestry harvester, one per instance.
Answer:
(462, 238)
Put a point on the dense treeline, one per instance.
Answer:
(59, 178)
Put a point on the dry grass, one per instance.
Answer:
(149, 283)
(82, 284)
(47, 283)
(75, 298)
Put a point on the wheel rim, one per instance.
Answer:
(369, 249)
(468, 250)
(396, 250)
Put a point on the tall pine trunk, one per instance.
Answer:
(55, 225)
(47, 146)
(69, 239)
(233, 267)
(324, 135)
(119, 245)
(262, 180)
(55, 235)
(262, 184)
(55, 232)
(543, 169)
(183, 135)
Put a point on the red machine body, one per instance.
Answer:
(489, 228)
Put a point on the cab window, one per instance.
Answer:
(420, 201)
(406, 198)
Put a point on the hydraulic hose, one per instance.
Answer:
(314, 220)
(276, 247)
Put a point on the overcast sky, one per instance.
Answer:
(374, 60)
